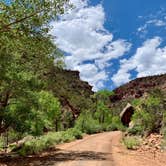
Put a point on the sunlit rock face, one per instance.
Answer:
(126, 115)
(138, 87)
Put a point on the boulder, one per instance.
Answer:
(126, 114)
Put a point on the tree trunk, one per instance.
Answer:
(56, 125)
(3, 103)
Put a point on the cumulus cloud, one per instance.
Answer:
(149, 59)
(91, 73)
(89, 46)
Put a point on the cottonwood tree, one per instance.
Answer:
(26, 54)
(103, 112)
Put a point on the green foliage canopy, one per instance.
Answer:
(26, 54)
(150, 113)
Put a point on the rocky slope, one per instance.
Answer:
(138, 87)
(73, 93)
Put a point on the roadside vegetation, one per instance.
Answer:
(149, 117)
(96, 120)
(132, 142)
(44, 142)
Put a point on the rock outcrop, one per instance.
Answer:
(138, 87)
(73, 93)
(126, 114)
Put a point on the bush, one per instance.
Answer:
(136, 130)
(163, 129)
(87, 124)
(1, 143)
(145, 121)
(163, 132)
(149, 115)
(76, 133)
(37, 145)
(116, 125)
(94, 128)
(131, 142)
(163, 145)
(14, 136)
(67, 136)
(32, 147)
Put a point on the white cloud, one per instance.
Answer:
(157, 22)
(90, 47)
(149, 60)
(143, 30)
(154, 20)
(92, 74)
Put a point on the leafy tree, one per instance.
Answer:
(87, 124)
(103, 95)
(29, 16)
(26, 54)
(41, 110)
(67, 119)
(47, 111)
(103, 112)
(149, 114)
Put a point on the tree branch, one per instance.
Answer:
(6, 27)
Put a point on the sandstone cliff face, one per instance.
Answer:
(138, 87)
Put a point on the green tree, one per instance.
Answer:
(86, 123)
(27, 52)
(41, 110)
(103, 95)
(149, 114)
(103, 112)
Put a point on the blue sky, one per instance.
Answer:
(113, 41)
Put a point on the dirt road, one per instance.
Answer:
(102, 149)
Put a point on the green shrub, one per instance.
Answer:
(87, 124)
(67, 136)
(163, 128)
(105, 126)
(76, 133)
(136, 130)
(149, 114)
(52, 138)
(163, 145)
(116, 124)
(131, 142)
(33, 147)
(38, 144)
(92, 129)
(145, 120)
(1, 143)
(14, 136)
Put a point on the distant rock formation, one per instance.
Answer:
(73, 93)
(139, 86)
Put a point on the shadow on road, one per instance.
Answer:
(52, 157)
